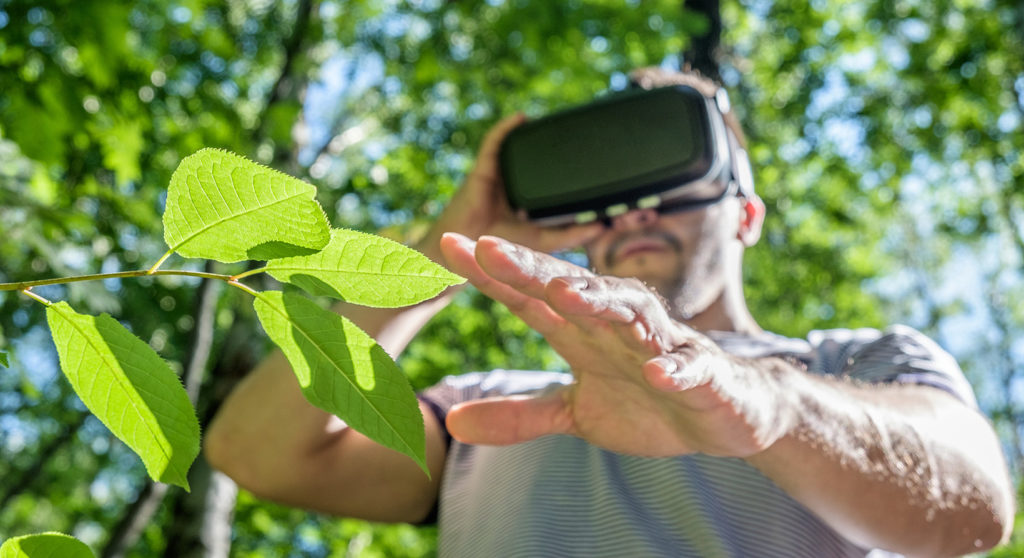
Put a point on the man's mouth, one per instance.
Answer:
(629, 246)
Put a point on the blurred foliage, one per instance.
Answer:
(886, 138)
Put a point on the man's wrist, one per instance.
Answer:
(781, 381)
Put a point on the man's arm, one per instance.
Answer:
(902, 467)
(906, 468)
(271, 441)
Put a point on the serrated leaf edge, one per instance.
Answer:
(309, 190)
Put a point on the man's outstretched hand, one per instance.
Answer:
(645, 384)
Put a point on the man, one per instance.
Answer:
(683, 430)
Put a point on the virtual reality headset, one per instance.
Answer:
(666, 148)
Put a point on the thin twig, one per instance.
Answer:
(25, 285)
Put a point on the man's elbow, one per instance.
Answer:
(1001, 530)
(996, 509)
(268, 469)
(985, 534)
(217, 449)
(984, 523)
(996, 523)
(227, 453)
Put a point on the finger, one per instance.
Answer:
(685, 368)
(614, 299)
(624, 306)
(509, 420)
(623, 301)
(458, 252)
(520, 267)
(487, 158)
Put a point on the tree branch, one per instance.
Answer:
(134, 521)
(22, 285)
(18, 482)
(283, 86)
(202, 525)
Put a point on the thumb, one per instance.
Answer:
(501, 421)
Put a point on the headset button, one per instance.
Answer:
(586, 217)
(649, 202)
(616, 210)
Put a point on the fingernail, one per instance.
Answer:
(510, 249)
(460, 239)
(667, 364)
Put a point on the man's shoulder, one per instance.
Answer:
(896, 354)
(819, 341)
(833, 351)
(895, 343)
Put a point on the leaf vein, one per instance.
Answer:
(232, 217)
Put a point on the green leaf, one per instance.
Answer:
(365, 269)
(223, 207)
(3, 359)
(45, 545)
(343, 371)
(130, 389)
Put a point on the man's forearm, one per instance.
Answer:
(906, 468)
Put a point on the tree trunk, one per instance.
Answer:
(704, 52)
(133, 523)
(202, 518)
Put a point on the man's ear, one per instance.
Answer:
(751, 219)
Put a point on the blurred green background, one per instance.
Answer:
(887, 138)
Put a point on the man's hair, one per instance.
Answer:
(651, 77)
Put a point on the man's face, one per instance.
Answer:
(681, 255)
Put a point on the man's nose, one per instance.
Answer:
(634, 219)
